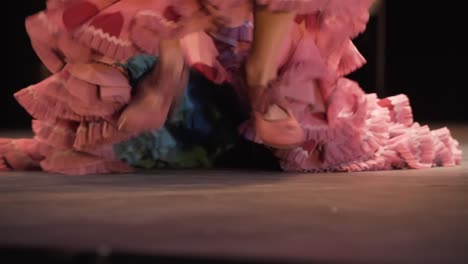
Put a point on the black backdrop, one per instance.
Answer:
(420, 58)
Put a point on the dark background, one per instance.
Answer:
(423, 59)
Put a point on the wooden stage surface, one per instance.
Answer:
(407, 216)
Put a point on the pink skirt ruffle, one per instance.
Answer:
(74, 127)
(364, 135)
(347, 18)
(346, 129)
(79, 31)
(76, 109)
(20, 154)
(328, 33)
(299, 6)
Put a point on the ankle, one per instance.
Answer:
(259, 74)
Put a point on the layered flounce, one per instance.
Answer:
(346, 129)
(74, 127)
(364, 135)
(79, 31)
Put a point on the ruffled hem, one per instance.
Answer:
(447, 149)
(75, 163)
(349, 61)
(78, 93)
(107, 31)
(37, 154)
(90, 135)
(362, 132)
(354, 132)
(43, 107)
(415, 147)
(60, 134)
(19, 154)
(400, 109)
(75, 111)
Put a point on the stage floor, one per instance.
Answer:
(408, 216)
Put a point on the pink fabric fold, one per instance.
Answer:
(76, 109)
(349, 142)
(75, 129)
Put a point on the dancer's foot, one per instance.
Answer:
(274, 122)
(150, 107)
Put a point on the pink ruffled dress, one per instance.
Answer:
(347, 130)
(76, 109)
